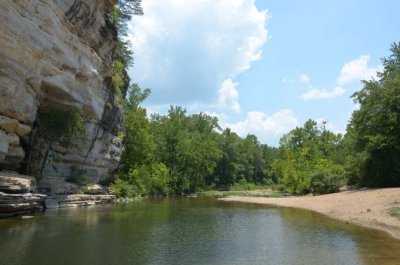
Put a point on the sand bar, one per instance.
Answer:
(369, 208)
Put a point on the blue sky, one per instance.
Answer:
(262, 67)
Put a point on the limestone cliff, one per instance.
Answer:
(17, 195)
(58, 53)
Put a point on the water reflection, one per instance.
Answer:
(16, 250)
(372, 246)
(190, 231)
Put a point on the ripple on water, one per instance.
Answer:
(191, 231)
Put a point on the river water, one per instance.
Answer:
(190, 231)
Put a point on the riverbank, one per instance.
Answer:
(369, 208)
(242, 193)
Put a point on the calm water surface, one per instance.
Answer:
(190, 231)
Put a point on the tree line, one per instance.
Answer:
(180, 153)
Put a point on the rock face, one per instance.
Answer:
(92, 189)
(75, 200)
(13, 204)
(17, 195)
(58, 53)
(15, 183)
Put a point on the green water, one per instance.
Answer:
(190, 231)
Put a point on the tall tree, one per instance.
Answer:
(227, 169)
(139, 143)
(375, 127)
(305, 151)
(187, 146)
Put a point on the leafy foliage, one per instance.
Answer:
(304, 151)
(123, 188)
(119, 79)
(187, 146)
(77, 176)
(139, 145)
(395, 212)
(139, 172)
(121, 12)
(181, 153)
(323, 182)
(57, 126)
(60, 126)
(149, 179)
(375, 127)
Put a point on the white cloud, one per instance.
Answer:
(265, 126)
(286, 80)
(304, 79)
(228, 95)
(322, 93)
(357, 70)
(185, 49)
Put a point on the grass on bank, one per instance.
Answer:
(395, 211)
(244, 188)
(249, 193)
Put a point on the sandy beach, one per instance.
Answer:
(369, 208)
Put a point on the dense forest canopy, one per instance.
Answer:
(180, 153)
(374, 129)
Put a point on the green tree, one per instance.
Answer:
(139, 142)
(270, 154)
(227, 168)
(203, 151)
(140, 173)
(122, 12)
(187, 146)
(59, 126)
(169, 132)
(118, 17)
(375, 127)
(252, 167)
(151, 179)
(304, 152)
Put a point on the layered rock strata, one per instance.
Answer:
(76, 200)
(58, 53)
(11, 151)
(18, 195)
